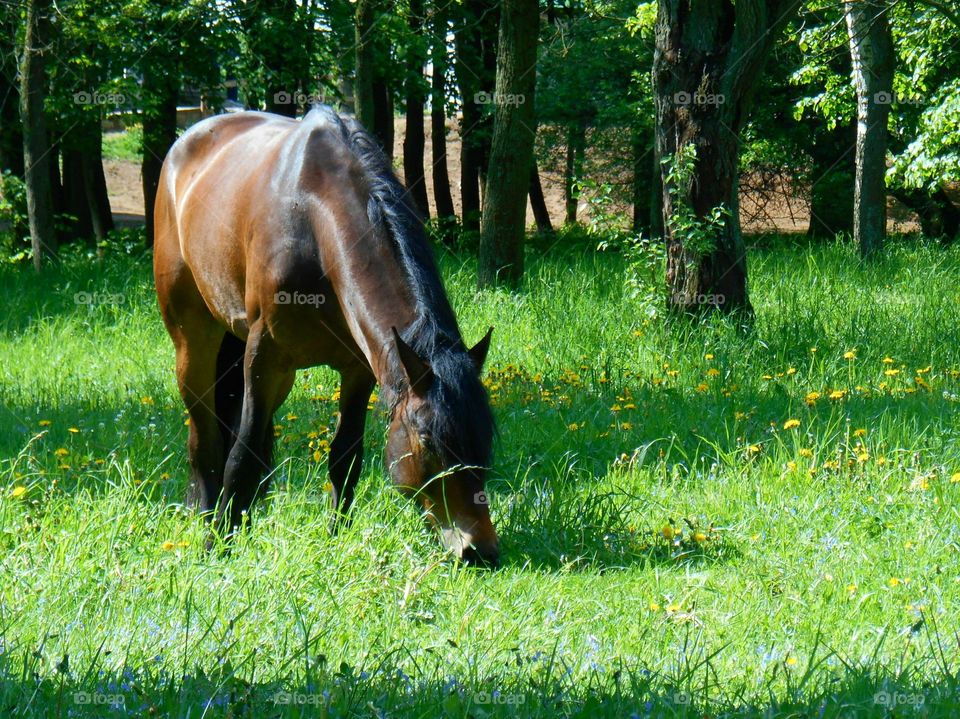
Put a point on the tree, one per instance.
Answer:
(373, 102)
(871, 49)
(438, 110)
(35, 142)
(511, 151)
(475, 34)
(413, 140)
(708, 57)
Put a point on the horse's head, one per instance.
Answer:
(439, 446)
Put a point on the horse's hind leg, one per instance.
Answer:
(247, 472)
(197, 378)
(197, 338)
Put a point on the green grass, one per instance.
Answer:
(123, 144)
(671, 549)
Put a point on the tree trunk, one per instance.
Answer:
(708, 57)
(573, 173)
(939, 217)
(537, 202)
(468, 70)
(511, 151)
(95, 182)
(383, 114)
(161, 85)
(438, 112)
(871, 49)
(640, 145)
(413, 140)
(36, 150)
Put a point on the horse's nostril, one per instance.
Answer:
(487, 558)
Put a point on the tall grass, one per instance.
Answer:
(696, 518)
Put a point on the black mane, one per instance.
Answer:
(462, 422)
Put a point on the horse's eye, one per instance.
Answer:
(426, 439)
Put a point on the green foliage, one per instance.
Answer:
(932, 158)
(14, 223)
(699, 233)
(124, 145)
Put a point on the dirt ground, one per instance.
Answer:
(786, 213)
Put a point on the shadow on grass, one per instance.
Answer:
(531, 687)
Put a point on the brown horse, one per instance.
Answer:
(282, 245)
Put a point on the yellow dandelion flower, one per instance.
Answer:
(791, 424)
(791, 661)
(881, 460)
(573, 426)
(891, 372)
(667, 532)
(73, 430)
(850, 354)
(328, 486)
(812, 397)
(708, 357)
(791, 370)
(791, 465)
(860, 432)
(699, 537)
(739, 415)
(888, 360)
(805, 452)
(654, 607)
(702, 387)
(893, 582)
(62, 452)
(713, 372)
(626, 425)
(673, 373)
(146, 400)
(168, 546)
(317, 456)
(955, 478)
(45, 422)
(838, 394)
(18, 492)
(753, 449)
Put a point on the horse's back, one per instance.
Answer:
(247, 206)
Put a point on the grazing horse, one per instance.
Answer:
(284, 244)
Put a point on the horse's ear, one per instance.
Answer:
(419, 374)
(478, 353)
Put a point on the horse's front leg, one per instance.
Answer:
(266, 382)
(346, 449)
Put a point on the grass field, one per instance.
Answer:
(695, 520)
